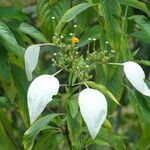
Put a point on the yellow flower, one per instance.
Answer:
(75, 40)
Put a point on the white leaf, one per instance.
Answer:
(136, 76)
(93, 107)
(31, 59)
(40, 93)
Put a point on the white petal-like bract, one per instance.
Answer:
(31, 59)
(136, 76)
(40, 93)
(93, 107)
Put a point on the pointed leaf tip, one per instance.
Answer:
(40, 93)
(31, 59)
(93, 107)
(136, 76)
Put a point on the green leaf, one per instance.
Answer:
(47, 9)
(7, 135)
(136, 4)
(21, 84)
(73, 107)
(102, 89)
(74, 127)
(114, 84)
(31, 31)
(93, 32)
(37, 126)
(71, 14)
(142, 36)
(12, 13)
(43, 142)
(143, 62)
(5, 142)
(4, 65)
(111, 11)
(143, 22)
(5, 103)
(9, 41)
(113, 140)
(140, 107)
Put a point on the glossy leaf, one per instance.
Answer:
(111, 11)
(21, 84)
(13, 13)
(47, 9)
(143, 22)
(102, 89)
(71, 14)
(136, 4)
(141, 109)
(73, 107)
(74, 126)
(32, 132)
(109, 139)
(142, 36)
(31, 31)
(93, 32)
(5, 142)
(9, 41)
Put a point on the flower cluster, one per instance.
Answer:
(92, 103)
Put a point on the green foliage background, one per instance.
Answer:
(123, 23)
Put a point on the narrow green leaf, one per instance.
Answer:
(74, 127)
(4, 65)
(5, 142)
(31, 31)
(73, 107)
(111, 11)
(37, 126)
(21, 84)
(115, 141)
(71, 14)
(12, 13)
(142, 21)
(47, 9)
(142, 36)
(9, 41)
(5, 103)
(143, 62)
(136, 4)
(93, 32)
(102, 89)
(140, 107)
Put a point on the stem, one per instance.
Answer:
(94, 45)
(57, 72)
(86, 85)
(44, 44)
(124, 18)
(118, 64)
(88, 51)
(66, 132)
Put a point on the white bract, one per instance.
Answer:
(31, 59)
(136, 76)
(93, 107)
(40, 93)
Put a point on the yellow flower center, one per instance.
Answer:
(75, 40)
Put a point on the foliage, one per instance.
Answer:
(88, 41)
